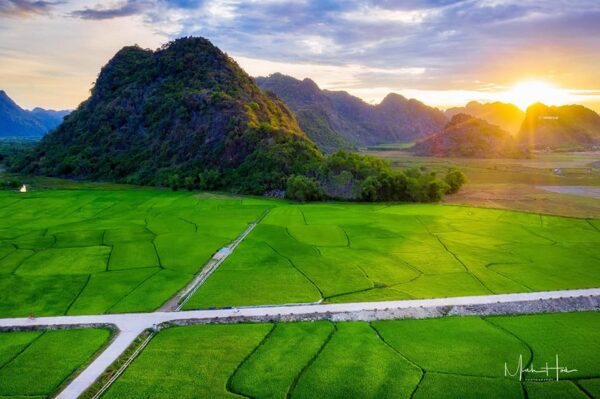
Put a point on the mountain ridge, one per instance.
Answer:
(505, 115)
(468, 136)
(566, 126)
(339, 114)
(18, 122)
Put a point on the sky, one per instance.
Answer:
(442, 52)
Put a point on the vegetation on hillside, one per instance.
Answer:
(11, 149)
(467, 136)
(174, 117)
(337, 119)
(188, 117)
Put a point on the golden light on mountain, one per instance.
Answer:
(525, 93)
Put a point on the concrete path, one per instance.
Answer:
(181, 298)
(140, 321)
(88, 376)
(132, 324)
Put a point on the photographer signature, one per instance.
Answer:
(546, 371)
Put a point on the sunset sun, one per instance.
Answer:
(525, 93)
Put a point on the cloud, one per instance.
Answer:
(127, 8)
(122, 9)
(377, 15)
(23, 8)
(460, 47)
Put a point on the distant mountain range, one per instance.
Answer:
(18, 122)
(507, 116)
(150, 120)
(468, 136)
(334, 119)
(567, 126)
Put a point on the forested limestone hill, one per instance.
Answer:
(185, 114)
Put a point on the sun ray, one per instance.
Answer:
(525, 93)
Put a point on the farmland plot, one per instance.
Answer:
(98, 251)
(352, 253)
(36, 363)
(438, 358)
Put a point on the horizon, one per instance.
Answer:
(442, 53)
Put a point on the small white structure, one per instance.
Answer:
(23, 189)
(222, 253)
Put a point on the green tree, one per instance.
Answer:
(189, 182)
(174, 182)
(209, 179)
(435, 190)
(455, 180)
(369, 189)
(302, 188)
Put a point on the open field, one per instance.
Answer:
(436, 358)
(353, 253)
(109, 250)
(515, 183)
(36, 363)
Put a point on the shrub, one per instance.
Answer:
(302, 188)
(9, 184)
(369, 189)
(189, 182)
(209, 179)
(455, 180)
(436, 189)
(174, 182)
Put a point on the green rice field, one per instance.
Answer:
(356, 252)
(35, 364)
(436, 358)
(109, 251)
(115, 250)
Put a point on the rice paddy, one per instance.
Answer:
(107, 251)
(437, 358)
(355, 252)
(37, 363)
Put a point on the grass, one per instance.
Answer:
(37, 363)
(444, 386)
(85, 249)
(356, 363)
(354, 252)
(440, 345)
(272, 369)
(189, 362)
(117, 249)
(438, 358)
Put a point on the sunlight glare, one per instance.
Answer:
(525, 93)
